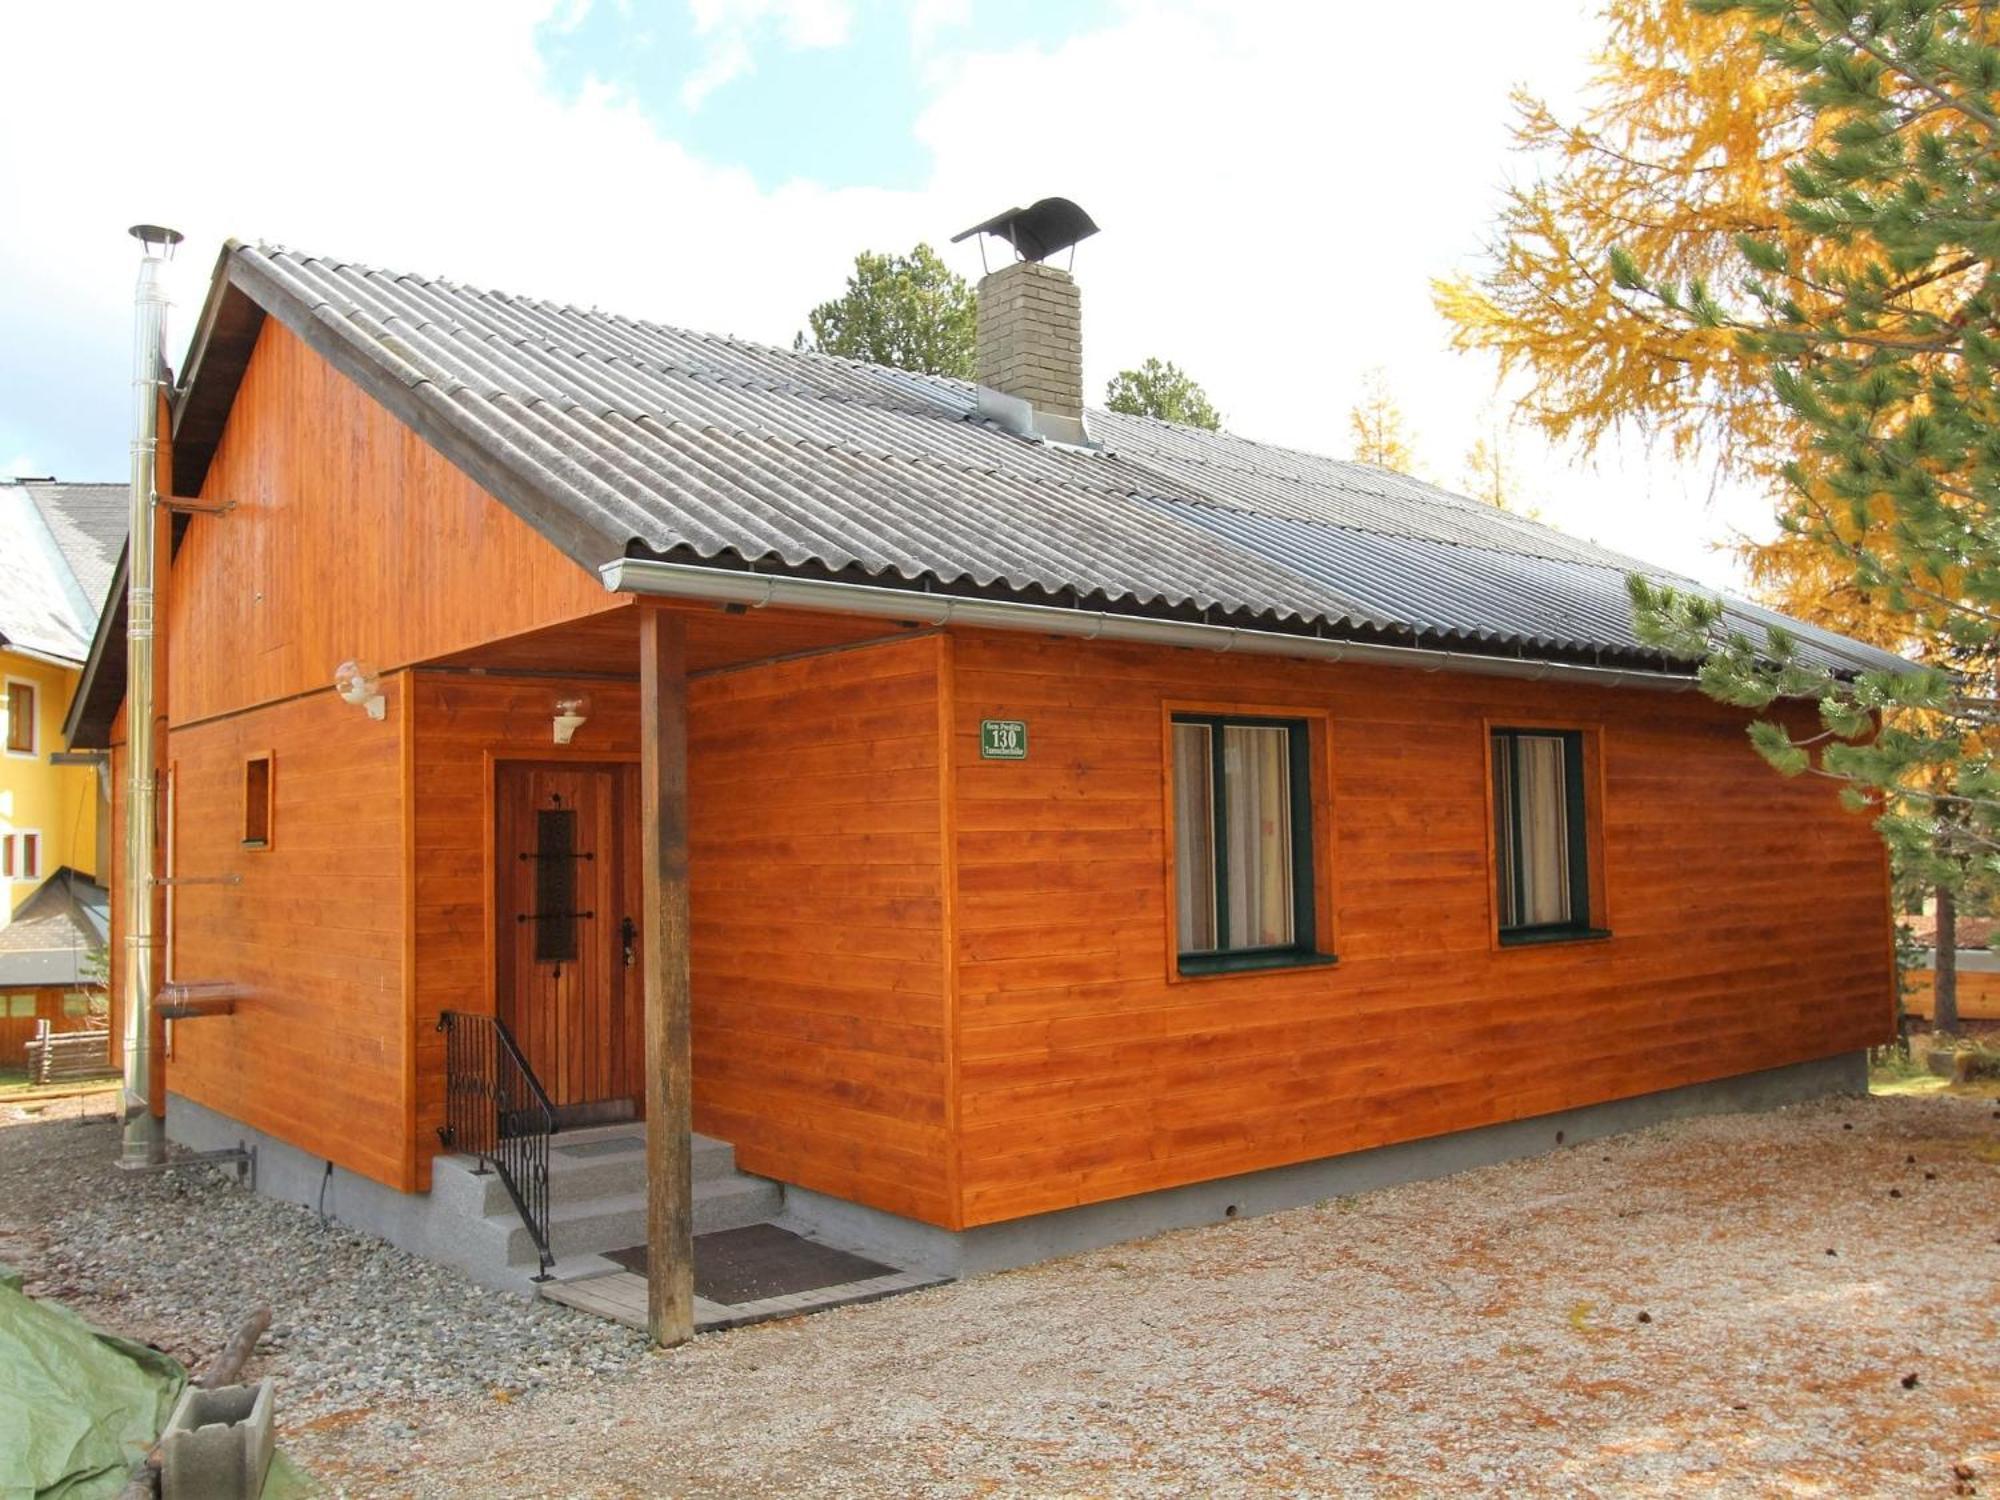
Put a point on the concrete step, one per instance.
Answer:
(595, 1225)
(583, 1165)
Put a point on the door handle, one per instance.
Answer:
(628, 932)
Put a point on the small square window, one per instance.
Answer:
(257, 802)
(75, 1006)
(20, 718)
(21, 1007)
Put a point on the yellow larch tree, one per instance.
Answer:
(1490, 475)
(1683, 147)
(1381, 436)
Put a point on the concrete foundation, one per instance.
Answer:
(1018, 1242)
(286, 1172)
(423, 1226)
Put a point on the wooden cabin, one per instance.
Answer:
(1093, 823)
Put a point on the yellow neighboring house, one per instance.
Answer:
(59, 547)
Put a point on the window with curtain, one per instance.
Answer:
(1242, 841)
(1540, 836)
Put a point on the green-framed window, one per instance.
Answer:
(1243, 842)
(1541, 835)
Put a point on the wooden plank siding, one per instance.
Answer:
(1978, 994)
(315, 1052)
(817, 880)
(1087, 1069)
(351, 538)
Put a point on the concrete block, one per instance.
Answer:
(217, 1445)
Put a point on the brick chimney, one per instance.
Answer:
(1030, 341)
(1028, 354)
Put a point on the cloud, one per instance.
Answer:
(734, 28)
(1276, 185)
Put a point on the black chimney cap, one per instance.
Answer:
(1038, 232)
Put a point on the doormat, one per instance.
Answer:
(612, 1147)
(734, 1266)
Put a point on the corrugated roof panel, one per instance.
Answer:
(1479, 594)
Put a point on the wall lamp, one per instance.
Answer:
(572, 710)
(359, 684)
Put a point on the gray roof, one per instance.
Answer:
(89, 522)
(58, 547)
(54, 931)
(621, 438)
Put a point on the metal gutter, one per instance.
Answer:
(635, 575)
(46, 658)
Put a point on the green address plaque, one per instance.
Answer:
(1003, 739)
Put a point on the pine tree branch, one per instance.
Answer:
(1866, 43)
(1855, 554)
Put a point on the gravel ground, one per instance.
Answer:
(1796, 1303)
(177, 1259)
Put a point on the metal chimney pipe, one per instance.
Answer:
(145, 1140)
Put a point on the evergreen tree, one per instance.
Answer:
(1876, 313)
(910, 311)
(1160, 388)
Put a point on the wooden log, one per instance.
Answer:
(234, 1355)
(664, 869)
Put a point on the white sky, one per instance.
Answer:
(1277, 184)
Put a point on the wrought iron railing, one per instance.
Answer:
(495, 1109)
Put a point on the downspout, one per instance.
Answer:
(635, 575)
(145, 1140)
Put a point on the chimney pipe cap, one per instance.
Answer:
(157, 238)
(1038, 231)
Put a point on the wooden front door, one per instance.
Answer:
(569, 982)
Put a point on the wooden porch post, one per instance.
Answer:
(663, 858)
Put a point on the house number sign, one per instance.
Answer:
(1003, 739)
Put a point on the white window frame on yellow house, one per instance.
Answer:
(41, 848)
(14, 854)
(7, 686)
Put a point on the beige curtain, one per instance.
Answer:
(1194, 837)
(1544, 825)
(1256, 786)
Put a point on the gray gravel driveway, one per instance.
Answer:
(1796, 1303)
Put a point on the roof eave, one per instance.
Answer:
(93, 707)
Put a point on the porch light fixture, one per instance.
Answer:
(572, 710)
(357, 683)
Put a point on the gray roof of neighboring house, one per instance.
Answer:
(59, 544)
(57, 926)
(89, 522)
(621, 438)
